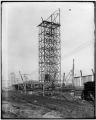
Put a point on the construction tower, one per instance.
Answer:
(50, 49)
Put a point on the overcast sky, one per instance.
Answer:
(20, 36)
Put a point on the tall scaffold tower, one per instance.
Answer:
(50, 48)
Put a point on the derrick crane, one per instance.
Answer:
(24, 85)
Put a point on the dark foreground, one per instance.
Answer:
(20, 105)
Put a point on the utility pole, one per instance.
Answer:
(73, 73)
(73, 67)
(80, 77)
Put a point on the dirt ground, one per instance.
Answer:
(17, 105)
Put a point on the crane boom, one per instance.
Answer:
(21, 76)
(22, 81)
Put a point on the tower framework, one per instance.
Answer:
(50, 48)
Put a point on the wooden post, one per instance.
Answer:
(18, 84)
(80, 77)
(43, 89)
(25, 87)
(31, 85)
(63, 78)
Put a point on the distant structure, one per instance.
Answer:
(12, 78)
(50, 49)
(77, 81)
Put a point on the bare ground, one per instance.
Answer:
(17, 105)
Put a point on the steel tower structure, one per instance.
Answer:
(50, 49)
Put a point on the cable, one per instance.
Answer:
(79, 48)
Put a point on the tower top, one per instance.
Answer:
(54, 19)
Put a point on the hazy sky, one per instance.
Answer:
(20, 36)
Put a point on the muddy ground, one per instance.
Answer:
(19, 105)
